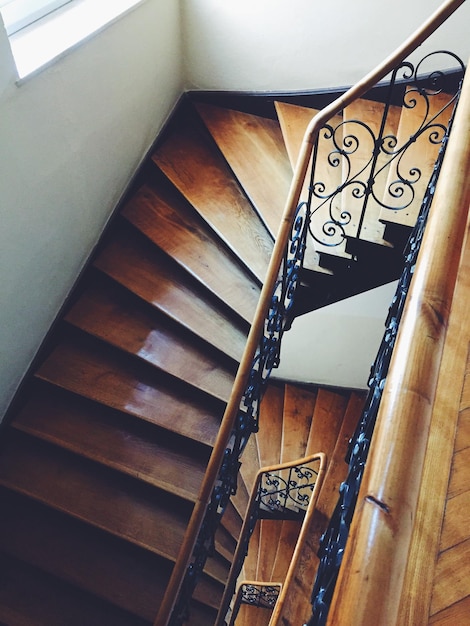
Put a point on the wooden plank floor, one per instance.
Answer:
(437, 580)
(451, 591)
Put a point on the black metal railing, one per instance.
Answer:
(280, 492)
(257, 595)
(387, 180)
(333, 541)
(278, 320)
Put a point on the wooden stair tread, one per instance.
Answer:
(269, 535)
(203, 177)
(175, 228)
(326, 421)
(356, 114)
(299, 405)
(99, 375)
(104, 312)
(336, 473)
(29, 597)
(115, 440)
(285, 548)
(231, 521)
(155, 279)
(250, 464)
(451, 580)
(421, 154)
(79, 488)
(254, 149)
(270, 419)
(457, 613)
(80, 555)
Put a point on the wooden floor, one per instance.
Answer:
(450, 603)
(437, 581)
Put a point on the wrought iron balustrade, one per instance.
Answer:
(280, 492)
(278, 320)
(333, 541)
(388, 179)
(256, 594)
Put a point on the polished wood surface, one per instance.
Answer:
(175, 227)
(131, 261)
(108, 314)
(266, 175)
(201, 174)
(388, 502)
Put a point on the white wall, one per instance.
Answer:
(338, 343)
(303, 44)
(70, 139)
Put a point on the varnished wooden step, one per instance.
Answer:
(114, 439)
(117, 504)
(101, 374)
(29, 597)
(254, 149)
(173, 225)
(107, 312)
(270, 436)
(85, 557)
(132, 261)
(200, 173)
(415, 164)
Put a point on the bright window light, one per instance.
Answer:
(17, 14)
(58, 29)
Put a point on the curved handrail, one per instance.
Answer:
(230, 414)
(370, 581)
(258, 498)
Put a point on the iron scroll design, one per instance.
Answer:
(281, 492)
(334, 539)
(348, 184)
(277, 321)
(260, 595)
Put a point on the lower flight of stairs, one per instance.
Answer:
(295, 423)
(105, 448)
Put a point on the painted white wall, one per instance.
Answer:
(70, 139)
(338, 344)
(303, 44)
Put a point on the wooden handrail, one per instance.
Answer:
(243, 372)
(253, 503)
(370, 581)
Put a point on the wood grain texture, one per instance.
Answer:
(115, 440)
(254, 149)
(30, 597)
(100, 375)
(173, 225)
(136, 264)
(270, 420)
(449, 415)
(106, 312)
(81, 555)
(200, 173)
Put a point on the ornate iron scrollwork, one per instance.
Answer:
(259, 595)
(388, 178)
(333, 541)
(278, 320)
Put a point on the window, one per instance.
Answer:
(17, 14)
(40, 31)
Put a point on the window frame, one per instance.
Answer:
(18, 14)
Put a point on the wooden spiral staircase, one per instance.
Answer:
(107, 444)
